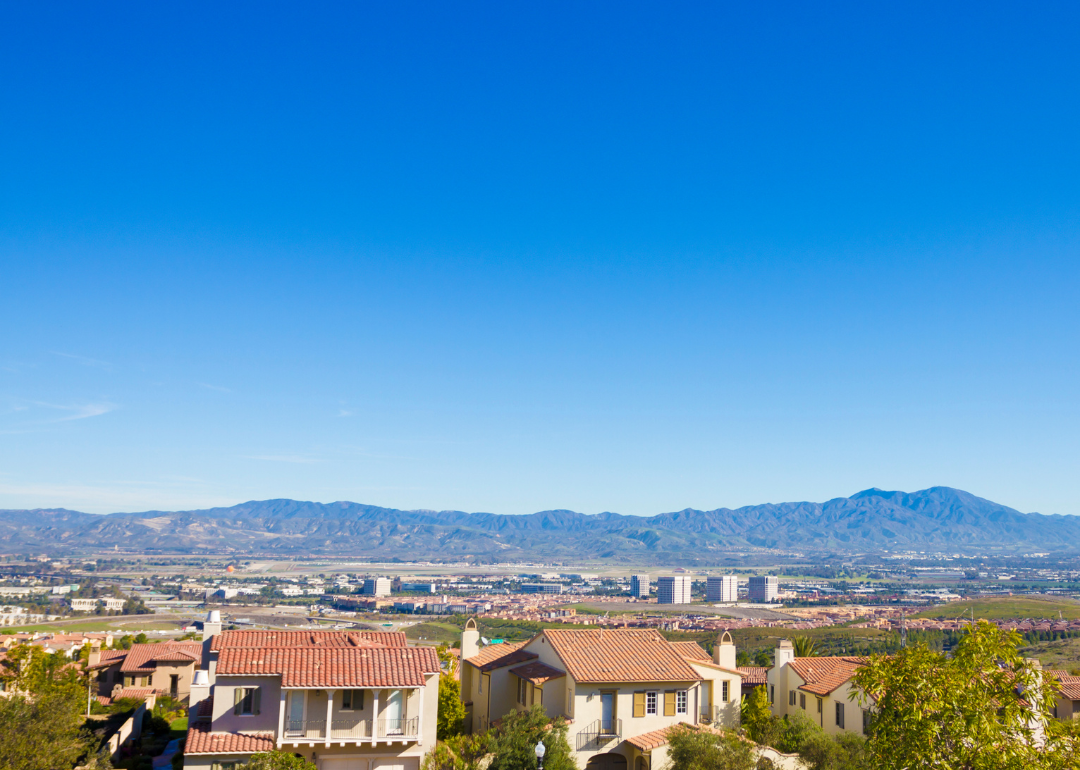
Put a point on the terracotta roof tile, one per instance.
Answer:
(651, 740)
(110, 658)
(691, 650)
(332, 666)
(754, 675)
(354, 639)
(202, 741)
(141, 658)
(619, 655)
(823, 675)
(537, 672)
(1068, 684)
(500, 655)
(135, 692)
(206, 708)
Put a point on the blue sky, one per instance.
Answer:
(509, 258)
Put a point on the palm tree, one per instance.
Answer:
(805, 647)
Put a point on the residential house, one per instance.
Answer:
(822, 688)
(345, 700)
(1067, 702)
(614, 685)
(166, 668)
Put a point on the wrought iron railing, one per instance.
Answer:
(350, 729)
(403, 727)
(308, 728)
(599, 734)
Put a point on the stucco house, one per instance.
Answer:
(822, 688)
(621, 689)
(1067, 702)
(166, 668)
(345, 700)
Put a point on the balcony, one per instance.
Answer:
(350, 729)
(310, 729)
(399, 728)
(599, 734)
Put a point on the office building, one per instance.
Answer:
(541, 588)
(673, 590)
(376, 587)
(764, 589)
(722, 589)
(639, 586)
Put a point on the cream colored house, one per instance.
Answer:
(614, 685)
(166, 668)
(821, 688)
(345, 700)
(1067, 702)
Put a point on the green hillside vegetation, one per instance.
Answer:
(1006, 608)
(1063, 654)
(434, 633)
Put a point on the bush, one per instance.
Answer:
(514, 743)
(699, 750)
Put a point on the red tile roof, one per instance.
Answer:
(202, 741)
(142, 693)
(537, 672)
(753, 675)
(651, 740)
(823, 675)
(509, 657)
(110, 658)
(691, 650)
(494, 652)
(332, 666)
(619, 655)
(205, 709)
(354, 639)
(1068, 684)
(142, 658)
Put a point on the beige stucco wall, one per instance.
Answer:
(785, 680)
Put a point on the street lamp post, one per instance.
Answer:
(540, 750)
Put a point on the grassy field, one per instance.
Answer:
(128, 625)
(1006, 608)
(434, 633)
(1062, 654)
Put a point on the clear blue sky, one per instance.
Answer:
(505, 257)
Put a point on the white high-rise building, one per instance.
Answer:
(376, 587)
(673, 590)
(722, 589)
(639, 586)
(764, 589)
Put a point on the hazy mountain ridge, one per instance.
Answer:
(939, 517)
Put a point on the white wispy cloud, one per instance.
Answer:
(346, 413)
(218, 388)
(84, 360)
(78, 411)
(300, 459)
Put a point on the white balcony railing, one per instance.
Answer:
(308, 729)
(350, 729)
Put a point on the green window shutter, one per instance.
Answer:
(669, 703)
(639, 704)
(256, 699)
(238, 699)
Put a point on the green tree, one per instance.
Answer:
(846, 751)
(278, 760)
(451, 717)
(461, 752)
(699, 750)
(984, 708)
(805, 647)
(514, 744)
(42, 732)
(757, 717)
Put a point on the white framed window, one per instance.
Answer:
(680, 701)
(352, 700)
(522, 692)
(246, 701)
(725, 691)
(650, 703)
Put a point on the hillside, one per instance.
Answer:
(939, 517)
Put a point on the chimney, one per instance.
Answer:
(785, 653)
(200, 691)
(470, 640)
(95, 653)
(723, 653)
(212, 624)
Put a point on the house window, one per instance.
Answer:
(352, 700)
(246, 701)
(650, 704)
(680, 702)
(840, 715)
(522, 692)
(866, 720)
(725, 691)
(791, 698)
(772, 693)
(819, 705)
(802, 701)
(223, 766)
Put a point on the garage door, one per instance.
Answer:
(343, 763)
(396, 763)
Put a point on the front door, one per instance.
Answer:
(607, 712)
(296, 712)
(393, 713)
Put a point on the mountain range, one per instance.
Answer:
(873, 520)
